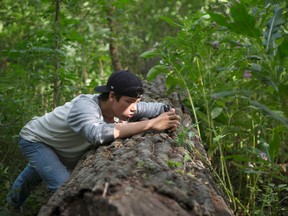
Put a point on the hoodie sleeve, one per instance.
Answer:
(148, 110)
(85, 117)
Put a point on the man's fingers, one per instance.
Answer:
(175, 117)
(174, 123)
(172, 114)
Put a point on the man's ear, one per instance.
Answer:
(112, 96)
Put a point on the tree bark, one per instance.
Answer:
(152, 173)
(56, 61)
(113, 42)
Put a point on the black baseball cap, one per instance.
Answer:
(123, 83)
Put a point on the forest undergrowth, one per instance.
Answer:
(228, 60)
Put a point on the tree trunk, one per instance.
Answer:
(149, 174)
(113, 42)
(56, 61)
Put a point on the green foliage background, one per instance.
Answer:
(227, 59)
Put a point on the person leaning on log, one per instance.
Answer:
(55, 142)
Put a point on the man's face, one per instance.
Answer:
(125, 107)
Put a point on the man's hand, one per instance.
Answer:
(167, 120)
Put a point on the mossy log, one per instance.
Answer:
(153, 173)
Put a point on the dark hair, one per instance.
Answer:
(104, 96)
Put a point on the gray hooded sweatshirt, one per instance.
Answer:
(76, 126)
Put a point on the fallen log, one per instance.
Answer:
(148, 174)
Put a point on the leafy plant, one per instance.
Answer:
(233, 78)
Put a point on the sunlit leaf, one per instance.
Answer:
(170, 21)
(216, 112)
(173, 164)
(218, 138)
(149, 54)
(156, 70)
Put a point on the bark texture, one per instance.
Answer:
(148, 174)
(113, 42)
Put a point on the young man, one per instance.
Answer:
(55, 142)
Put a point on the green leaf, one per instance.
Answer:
(282, 186)
(271, 113)
(219, 95)
(283, 49)
(187, 158)
(274, 145)
(272, 31)
(219, 19)
(283, 90)
(256, 67)
(173, 164)
(244, 23)
(170, 21)
(149, 54)
(238, 158)
(172, 82)
(254, 172)
(122, 3)
(216, 112)
(203, 116)
(218, 138)
(156, 70)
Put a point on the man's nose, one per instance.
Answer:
(133, 107)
